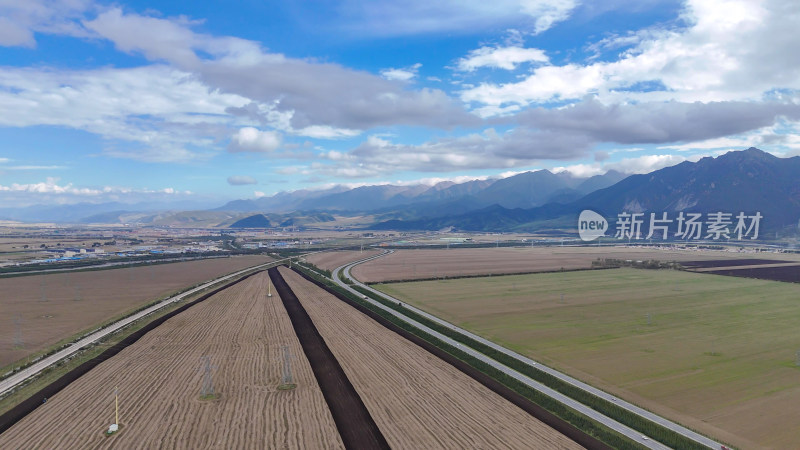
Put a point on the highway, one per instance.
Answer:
(106, 265)
(620, 428)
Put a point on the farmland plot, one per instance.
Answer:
(440, 263)
(38, 311)
(332, 260)
(160, 379)
(417, 400)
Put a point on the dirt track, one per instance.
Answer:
(52, 307)
(160, 378)
(417, 400)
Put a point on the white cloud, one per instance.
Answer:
(19, 20)
(51, 186)
(378, 156)
(507, 58)
(249, 139)
(725, 142)
(730, 50)
(326, 132)
(638, 165)
(33, 167)
(547, 12)
(241, 180)
(403, 74)
(156, 111)
(404, 17)
(13, 34)
(347, 98)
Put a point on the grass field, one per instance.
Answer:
(717, 353)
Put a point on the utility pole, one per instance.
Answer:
(114, 427)
(116, 405)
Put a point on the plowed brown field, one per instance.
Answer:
(44, 309)
(417, 400)
(332, 260)
(418, 264)
(160, 379)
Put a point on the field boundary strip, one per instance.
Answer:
(356, 426)
(14, 415)
(484, 275)
(562, 426)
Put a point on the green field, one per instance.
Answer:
(717, 354)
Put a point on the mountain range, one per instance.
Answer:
(746, 181)
(739, 181)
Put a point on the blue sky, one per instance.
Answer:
(206, 102)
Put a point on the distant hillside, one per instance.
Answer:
(254, 221)
(301, 218)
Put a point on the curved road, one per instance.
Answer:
(620, 428)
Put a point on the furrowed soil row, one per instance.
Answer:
(408, 384)
(243, 333)
(356, 426)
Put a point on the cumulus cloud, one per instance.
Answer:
(507, 58)
(241, 180)
(51, 192)
(637, 165)
(347, 98)
(729, 50)
(403, 74)
(659, 122)
(249, 139)
(404, 17)
(517, 148)
(20, 20)
(151, 113)
(546, 13)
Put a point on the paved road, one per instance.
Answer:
(107, 265)
(14, 380)
(629, 432)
